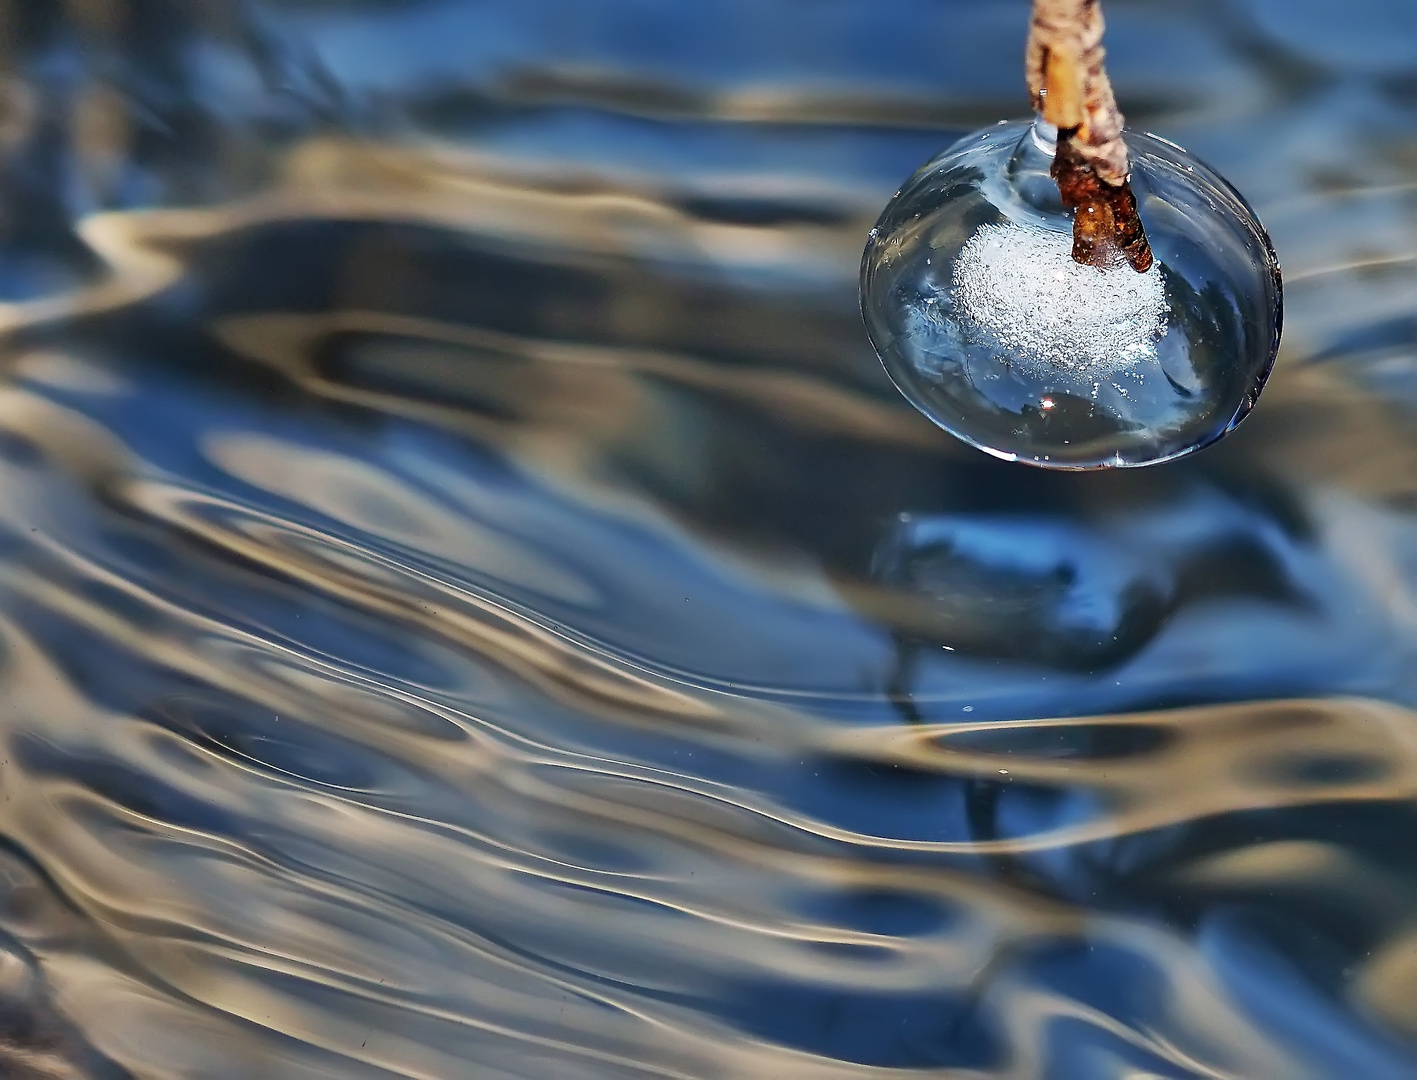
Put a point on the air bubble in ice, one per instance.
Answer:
(1017, 289)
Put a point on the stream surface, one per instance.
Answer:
(473, 606)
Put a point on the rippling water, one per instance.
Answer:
(471, 604)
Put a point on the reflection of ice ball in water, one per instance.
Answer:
(1017, 290)
(989, 327)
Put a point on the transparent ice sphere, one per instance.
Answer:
(986, 324)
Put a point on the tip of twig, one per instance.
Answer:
(1106, 227)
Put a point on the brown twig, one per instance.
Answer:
(1070, 88)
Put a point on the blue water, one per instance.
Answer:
(472, 604)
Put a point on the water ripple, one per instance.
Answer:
(472, 605)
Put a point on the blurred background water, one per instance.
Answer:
(472, 605)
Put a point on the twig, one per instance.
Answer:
(1069, 85)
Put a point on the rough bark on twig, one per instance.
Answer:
(1070, 88)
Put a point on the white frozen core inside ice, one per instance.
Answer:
(1018, 290)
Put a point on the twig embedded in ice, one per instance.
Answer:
(1070, 88)
(1017, 289)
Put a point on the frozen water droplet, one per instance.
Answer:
(990, 328)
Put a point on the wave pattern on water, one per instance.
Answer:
(461, 621)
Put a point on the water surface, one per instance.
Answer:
(472, 605)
